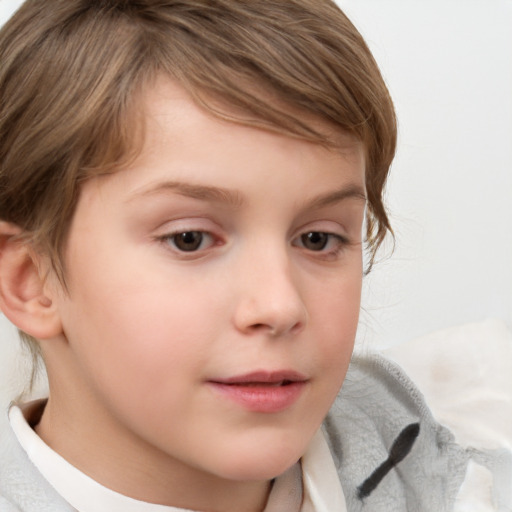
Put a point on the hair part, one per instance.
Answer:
(73, 73)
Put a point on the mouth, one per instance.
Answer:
(261, 391)
(262, 384)
(264, 378)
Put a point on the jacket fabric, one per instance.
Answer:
(390, 453)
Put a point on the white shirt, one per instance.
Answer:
(317, 489)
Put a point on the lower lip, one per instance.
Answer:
(266, 399)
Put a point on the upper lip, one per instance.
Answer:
(264, 377)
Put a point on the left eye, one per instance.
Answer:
(190, 241)
(315, 241)
(319, 241)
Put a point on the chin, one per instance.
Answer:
(262, 462)
(258, 472)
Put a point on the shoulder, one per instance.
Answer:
(10, 477)
(22, 487)
(390, 452)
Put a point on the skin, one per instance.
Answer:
(146, 326)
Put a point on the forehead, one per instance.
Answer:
(185, 131)
(155, 97)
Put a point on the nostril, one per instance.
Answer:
(297, 327)
(277, 330)
(272, 330)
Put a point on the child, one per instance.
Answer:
(183, 191)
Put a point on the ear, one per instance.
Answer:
(23, 296)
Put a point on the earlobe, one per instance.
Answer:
(23, 297)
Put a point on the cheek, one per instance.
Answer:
(141, 345)
(146, 332)
(336, 302)
(119, 328)
(334, 316)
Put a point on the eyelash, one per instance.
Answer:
(326, 241)
(172, 238)
(339, 241)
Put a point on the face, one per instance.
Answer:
(214, 290)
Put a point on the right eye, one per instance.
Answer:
(189, 241)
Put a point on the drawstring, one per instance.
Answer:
(399, 450)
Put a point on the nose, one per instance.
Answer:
(269, 300)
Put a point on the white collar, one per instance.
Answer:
(321, 487)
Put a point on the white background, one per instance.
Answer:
(448, 64)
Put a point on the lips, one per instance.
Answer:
(262, 391)
(263, 377)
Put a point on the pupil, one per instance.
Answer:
(188, 241)
(315, 241)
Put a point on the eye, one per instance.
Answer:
(189, 241)
(322, 242)
(315, 241)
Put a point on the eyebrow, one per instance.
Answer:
(352, 191)
(235, 199)
(229, 197)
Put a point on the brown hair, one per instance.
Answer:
(72, 70)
